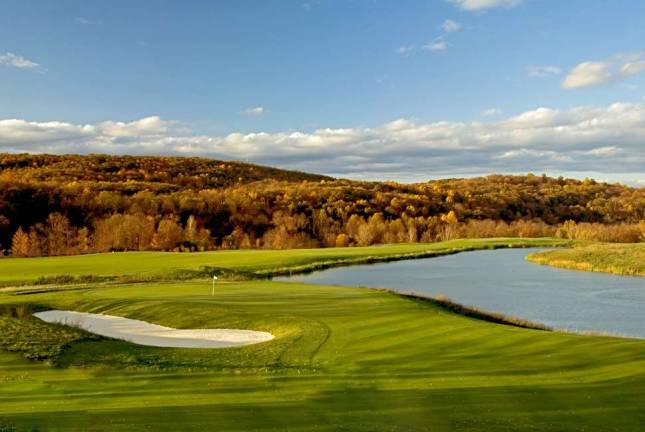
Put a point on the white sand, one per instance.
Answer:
(143, 333)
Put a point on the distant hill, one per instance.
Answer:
(158, 173)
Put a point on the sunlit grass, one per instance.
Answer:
(152, 266)
(623, 259)
(360, 358)
(342, 359)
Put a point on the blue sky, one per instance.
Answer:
(317, 85)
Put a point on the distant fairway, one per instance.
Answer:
(343, 359)
(160, 263)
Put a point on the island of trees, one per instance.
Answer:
(63, 205)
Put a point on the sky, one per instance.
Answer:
(401, 90)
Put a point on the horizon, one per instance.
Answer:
(357, 90)
(430, 178)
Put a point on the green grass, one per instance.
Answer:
(159, 265)
(344, 359)
(623, 259)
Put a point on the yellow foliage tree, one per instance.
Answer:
(20, 243)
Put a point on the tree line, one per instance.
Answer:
(57, 205)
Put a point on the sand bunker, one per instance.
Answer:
(143, 333)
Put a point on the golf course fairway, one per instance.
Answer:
(343, 359)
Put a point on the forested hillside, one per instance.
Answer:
(130, 173)
(53, 205)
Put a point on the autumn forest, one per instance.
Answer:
(63, 205)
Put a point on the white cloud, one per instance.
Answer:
(21, 133)
(530, 154)
(595, 73)
(543, 71)
(12, 60)
(490, 112)
(436, 45)
(84, 21)
(604, 151)
(404, 49)
(634, 68)
(254, 111)
(148, 126)
(450, 26)
(592, 139)
(476, 5)
(589, 74)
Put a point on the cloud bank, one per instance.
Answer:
(607, 140)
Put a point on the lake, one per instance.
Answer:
(503, 281)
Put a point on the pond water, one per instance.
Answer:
(503, 281)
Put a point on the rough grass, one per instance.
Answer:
(622, 259)
(129, 267)
(21, 332)
(482, 314)
(344, 359)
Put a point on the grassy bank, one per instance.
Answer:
(343, 359)
(155, 266)
(622, 259)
